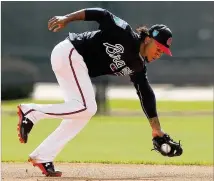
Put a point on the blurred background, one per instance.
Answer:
(183, 84)
(27, 44)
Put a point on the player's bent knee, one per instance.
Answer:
(92, 109)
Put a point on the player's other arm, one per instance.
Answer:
(148, 101)
(89, 14)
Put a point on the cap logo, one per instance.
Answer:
(155, 33)
(169, 42)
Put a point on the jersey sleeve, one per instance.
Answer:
(145, 93)
(105, 18)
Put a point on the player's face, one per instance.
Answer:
(153, 51)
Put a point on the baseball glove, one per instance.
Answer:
(166, 146)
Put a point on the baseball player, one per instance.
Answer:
(113, 49)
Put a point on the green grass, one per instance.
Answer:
(119, 139)
(165, 105)
(133, 105)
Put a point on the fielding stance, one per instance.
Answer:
(114, 49)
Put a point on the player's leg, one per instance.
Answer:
(55, 142)
(69, 66)
(72, 75)
(45, 153)
(47, 150)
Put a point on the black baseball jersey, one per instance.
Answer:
(114, 50)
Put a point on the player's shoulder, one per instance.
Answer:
(120, 22)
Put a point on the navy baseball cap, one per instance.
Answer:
(162, 36)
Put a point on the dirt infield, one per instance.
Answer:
(107, 172)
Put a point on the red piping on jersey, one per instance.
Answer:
(80, 90)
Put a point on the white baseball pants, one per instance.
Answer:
(79, 106)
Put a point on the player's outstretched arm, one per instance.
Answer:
(56, 23)
(161, 141)
(148, 102)
(100, 15)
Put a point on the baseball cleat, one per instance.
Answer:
(24, 126)
(47, 168)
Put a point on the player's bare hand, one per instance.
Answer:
(56, 23)
(156, 132)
